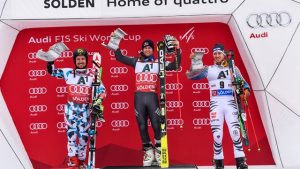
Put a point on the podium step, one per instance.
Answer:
(152, 167)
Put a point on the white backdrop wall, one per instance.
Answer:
(271, 60)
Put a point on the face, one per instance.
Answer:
(218, 57)
(148, 51)
(80, 62)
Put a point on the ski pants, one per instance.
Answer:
(146, 105)
(225, 109)
(77, 119)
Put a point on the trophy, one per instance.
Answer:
(169, 42)
(197, 60)
(115, 39)
(53, 52)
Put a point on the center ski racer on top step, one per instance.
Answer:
(146, 94)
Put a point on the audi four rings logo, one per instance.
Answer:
(36, 73)
(119, 88)
(201, 104)
(200, 86)
(175, 122)
(79, 89)
(60, 107)
(37, 90)
(201, 121)
(123, 51)
(31, 56)
(146, 77)
(119, 105)
(174, 86)
(203, 50)
(98, 124)
(272, 19)
(174, 104)
(118, 70)
(38, 126)
(120, 123)
(179, 70)
(37, 108)
(61, 89)
(66, 54)
(61, 125)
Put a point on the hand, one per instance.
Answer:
(98, 110)
(192, 55)
(245, 95)
(176, 44)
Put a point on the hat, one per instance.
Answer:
(148, 43)
(80, 52)
(218, 47)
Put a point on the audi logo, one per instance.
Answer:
(118, 70)
(272, 19)
(174, 104)
(61, 125)
(123, 51)
(175, 122)
(31, 56)
(60, 107)
(119, 105)
(38, 126)
(174, 86)
(98, 124)
(37, 108)
(200, 86)
(146, 77)
(79, 89)
(66, 54)
(119, 123)
(201, 121)
(61, 89)
(203, 50)
(179, 70)
(36, 73)
(37, 90)
(118, 88)
(201, 104)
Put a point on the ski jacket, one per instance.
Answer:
(79, 84)
(146, 71)
(219, 79)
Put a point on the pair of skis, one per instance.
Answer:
(92, 132)
(238, 86)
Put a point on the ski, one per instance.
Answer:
(162, 77)
(92, 132)
(238, 86)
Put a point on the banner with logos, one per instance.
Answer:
(36, 100)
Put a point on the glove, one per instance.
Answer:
(49, 67)
(98, 111)
(245, 95)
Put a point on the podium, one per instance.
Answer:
(152, 167)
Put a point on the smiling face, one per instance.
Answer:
(218, 57)
(80, 62)
(148, 51)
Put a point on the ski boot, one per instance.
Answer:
(241, 163)
(218, 164)
(148, 156)
(82, 164)
(73, 162)
(157, 156)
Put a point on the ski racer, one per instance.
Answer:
(145, 97)
(222, 105)
(77, 110)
